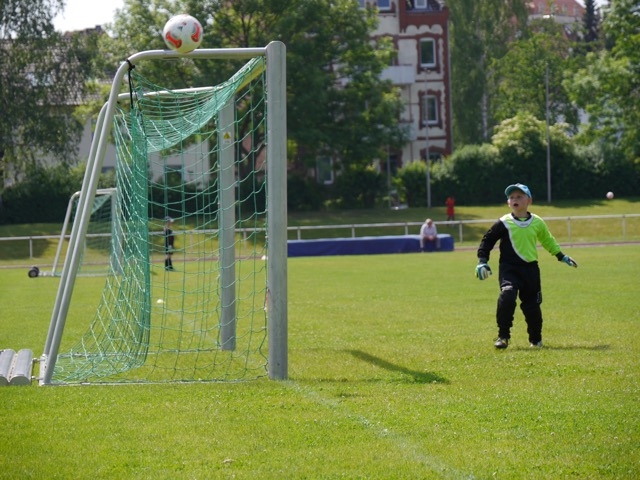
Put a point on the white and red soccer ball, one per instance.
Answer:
(182, 33)
(610, 195)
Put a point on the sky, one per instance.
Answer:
(81, 14)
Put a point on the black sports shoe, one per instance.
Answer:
(536, 345)
(501, 343)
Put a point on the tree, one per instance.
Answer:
(533, 66)
(337, 104)
(591, 24)
(481, 31)
(517, 153)
(608, 88)
(42, 79)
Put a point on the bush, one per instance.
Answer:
(359, 187)
(522, 148)
(474, 174)
(303, 194)
(478, 173)
(43, 197)
(412, 184)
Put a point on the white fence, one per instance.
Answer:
(577, 229)
(620, 228)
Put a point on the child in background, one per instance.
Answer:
(450, 202)
(168, 243)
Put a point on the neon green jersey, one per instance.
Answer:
(524, 236)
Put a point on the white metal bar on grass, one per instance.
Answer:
(6, 360)
(22, 366)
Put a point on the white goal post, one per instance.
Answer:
(102, 195)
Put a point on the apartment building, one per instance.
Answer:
(419, 30)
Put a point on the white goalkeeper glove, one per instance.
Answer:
(483, 271)
(569, 261)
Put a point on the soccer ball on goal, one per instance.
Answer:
(182, 33)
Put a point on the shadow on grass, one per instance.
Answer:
(418, 377)
(593, 348)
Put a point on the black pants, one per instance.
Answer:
(520, 281)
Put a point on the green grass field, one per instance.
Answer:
(392, 375)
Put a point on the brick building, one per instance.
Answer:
(419, 30)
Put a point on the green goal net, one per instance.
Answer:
(190, 294)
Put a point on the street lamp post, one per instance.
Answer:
(546, 82)
(388, 177)
(427, 155)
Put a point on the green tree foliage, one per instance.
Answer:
(411, 183)
(471, 174)
(608, 88)
(521, 144)
(43, 196)
(41, 80)
(521, 77)
(359, 187)
(591, 24)
(138, 27)
(517, 153)
(337, 104)
(304, 193)
(480, 33)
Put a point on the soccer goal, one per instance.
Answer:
(201, 187)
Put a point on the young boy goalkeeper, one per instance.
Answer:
(518, 271)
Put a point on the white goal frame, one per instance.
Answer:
(277, 298)
(65, 225)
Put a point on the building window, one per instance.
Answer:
(427, 53)
(173, 174)
(431, 5)
(383, 5)
(324, 170)
(429, 110)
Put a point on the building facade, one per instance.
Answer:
(419, 30)
(568, 13)
(565, 12)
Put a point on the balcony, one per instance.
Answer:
(400, 74)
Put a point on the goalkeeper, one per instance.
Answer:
(518, 272)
